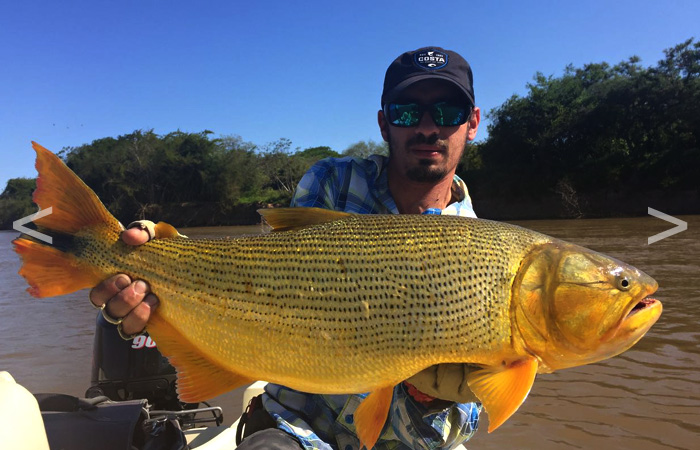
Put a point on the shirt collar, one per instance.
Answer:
(381, 186)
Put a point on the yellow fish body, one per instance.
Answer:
(339, 303)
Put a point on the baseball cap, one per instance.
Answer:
(426, 63)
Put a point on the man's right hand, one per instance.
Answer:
(126, 298)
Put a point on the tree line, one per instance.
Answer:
(146, 175)
(598, 132)
(591, 136)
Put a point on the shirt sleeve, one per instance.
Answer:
(318, 187)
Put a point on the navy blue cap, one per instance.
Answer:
(427, 63)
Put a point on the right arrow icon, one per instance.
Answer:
(680, 225)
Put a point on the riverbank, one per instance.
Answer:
(568, 205)
(561, 205)
(554, 206)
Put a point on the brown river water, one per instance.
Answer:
(645, 399)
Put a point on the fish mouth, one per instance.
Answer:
(641, 305)
(641, 314)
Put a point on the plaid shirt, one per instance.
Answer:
(325, 422)
(360, 186)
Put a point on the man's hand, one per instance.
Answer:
(125, 298)
(446, 382)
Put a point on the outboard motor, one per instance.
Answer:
(129, 370)
(144, 411)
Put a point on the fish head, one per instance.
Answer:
(574, 306)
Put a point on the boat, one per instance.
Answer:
(26, 426)
(131, 403)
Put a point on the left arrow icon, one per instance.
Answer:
(18, 225)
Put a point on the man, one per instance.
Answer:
(427, 118)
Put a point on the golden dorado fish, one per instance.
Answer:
(339, 303)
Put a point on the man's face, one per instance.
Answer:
(427, 153)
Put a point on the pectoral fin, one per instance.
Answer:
(503, 389)
(371, 415)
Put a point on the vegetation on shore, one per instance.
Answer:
(574, 145)
(599, 131)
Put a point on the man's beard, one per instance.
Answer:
(425, 172)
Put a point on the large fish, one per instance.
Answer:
(339, 303)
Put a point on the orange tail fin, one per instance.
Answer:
(51, 272)
(56, 270)
(75, 205)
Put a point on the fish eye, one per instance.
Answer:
(623, 284)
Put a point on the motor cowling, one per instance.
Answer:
(129, 370)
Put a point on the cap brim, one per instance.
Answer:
(399, 88)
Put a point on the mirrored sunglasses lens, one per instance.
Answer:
(404, 115)
(446, 115)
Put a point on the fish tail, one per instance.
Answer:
(56, 269)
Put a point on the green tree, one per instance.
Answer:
(136, 173)
(599, 128)
(317, 153)
(16, 201)
(242, 180)
(363, 149)
(283, 170)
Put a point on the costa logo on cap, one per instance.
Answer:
(430, 59)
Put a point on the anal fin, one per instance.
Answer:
(198, 377)
(503, 389)
(371, 415)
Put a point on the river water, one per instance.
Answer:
(645, 399)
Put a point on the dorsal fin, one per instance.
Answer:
(284, 219)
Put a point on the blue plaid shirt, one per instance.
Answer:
(360, 186)
(325, 422)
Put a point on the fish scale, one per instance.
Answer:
(363, 300)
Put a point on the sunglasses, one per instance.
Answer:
(444, 114)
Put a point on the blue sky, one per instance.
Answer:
(75, 71)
